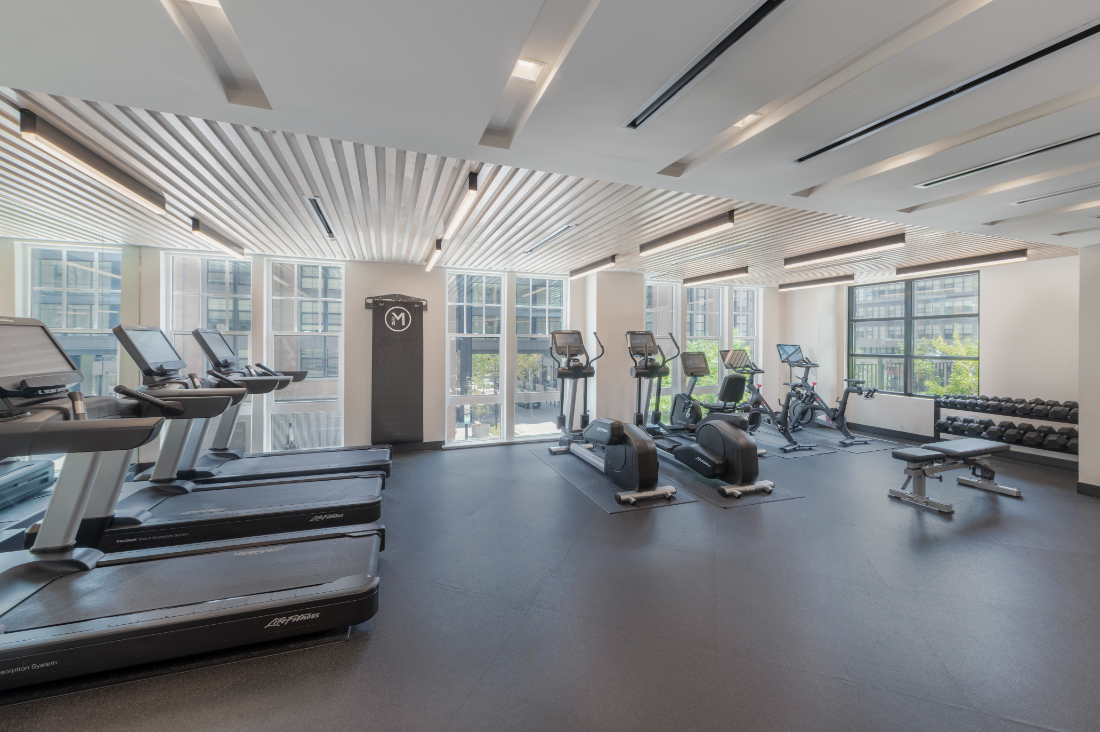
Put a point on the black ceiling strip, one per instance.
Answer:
(1005, 161)
(701, 65)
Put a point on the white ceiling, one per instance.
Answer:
(426, 75)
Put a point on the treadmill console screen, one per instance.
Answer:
(790, 353)
(695, 363)
(736, 359)
(29, 350)
(641, 342)
(150, 348)
(216, 347)
(567, 342)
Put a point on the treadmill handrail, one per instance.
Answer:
(26, 437)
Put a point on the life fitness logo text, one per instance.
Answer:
(291, 619)
(398, 319)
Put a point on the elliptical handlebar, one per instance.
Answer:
(666, 359)
(588, 359)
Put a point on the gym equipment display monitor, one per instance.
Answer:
(150, 348)
(567, 342)
(32, 362)
(695, 363)
(790, 353)
(641, 343)
(217, 349)
(736, 359)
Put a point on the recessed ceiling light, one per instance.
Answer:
(209, 3)
(1067, 191)
(748, 120)
(550, 237)
(528, 70)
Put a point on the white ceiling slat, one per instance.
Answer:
(323, 158)
(365, 198)
(340, 152)
(265, 153)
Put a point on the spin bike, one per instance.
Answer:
(720, 448)
(803, 401)
(625, 453)
(757, 407)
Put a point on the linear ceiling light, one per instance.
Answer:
(1045, 196)
(823, 282)
(606, 263)
(436, 254)
(320, 216)
(952, 92)
(1077, 231)
(48, 138)
(747, 120)
(695, 232)
(895, 241)
(701, 64)
(464, 206)
(983, 260)
(550, 237)
(1006, 161)
(728, 274)
(215, 237)
(527, 70)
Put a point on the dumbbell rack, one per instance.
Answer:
(1050, 457)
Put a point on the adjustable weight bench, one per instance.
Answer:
(928, 461)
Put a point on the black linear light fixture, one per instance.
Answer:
(727, 274)
(823, 282)
(599, 266)
(1086, 187)
(549, 238)
(436, 254)
(53, 141)
(464, 206)
(894, 241)
(982, 260)
(695, 232)
(701, 64)
(954, 92)
(320, 216)
(1007, 160)
(218, 239)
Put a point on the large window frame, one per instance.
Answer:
(706, 330)
(103, 300)
(477, 310)
(911, 321)
(540, 306)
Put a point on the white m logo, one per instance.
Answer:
(398, 318)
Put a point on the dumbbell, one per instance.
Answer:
(1008, 407)
(998, 432)
(1024, 410)
(1041, 411)
(1074, 414)
(978, 428)
(996, 405)
(1071, 446)
(1016, 434)
(1060, 439)
(1036, 438)
(944, 425)
(1062, 410)
(959, 428)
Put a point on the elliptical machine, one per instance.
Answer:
(686, 410)
(803, 400)
(622, 452)
(757, 407)
(721, 448)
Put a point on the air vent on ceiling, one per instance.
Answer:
(1007, 160)
(1067, 191)
(953, 92)
(702, 63)
(317, 208)
(549, 238)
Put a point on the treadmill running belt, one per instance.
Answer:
(297, 461)
(200, 503)
(144, 586)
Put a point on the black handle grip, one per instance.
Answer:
(266, 370)
(79, 410)
(223, 380)
(167, 409)
(194, 379)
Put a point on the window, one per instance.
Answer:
(744, 318)
(916, 337)
(213, 293)
(474, 327)
(660, 318)
(540, 309)
(307, 306)
(77, 293)
(704, 331)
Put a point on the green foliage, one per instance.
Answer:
(528, 371)
(714, 359)
(963, 377)
(484, 373)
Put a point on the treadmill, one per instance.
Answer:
(167, 512)
(158, 360)
(67, 610)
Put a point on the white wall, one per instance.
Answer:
(614, 304)
(365, 279)
(1089, 392)
(7, 277)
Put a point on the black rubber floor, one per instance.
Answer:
(511, 601)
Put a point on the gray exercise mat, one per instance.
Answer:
(707, 488)
(831, 438)
(772, 441)
(599, 487)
